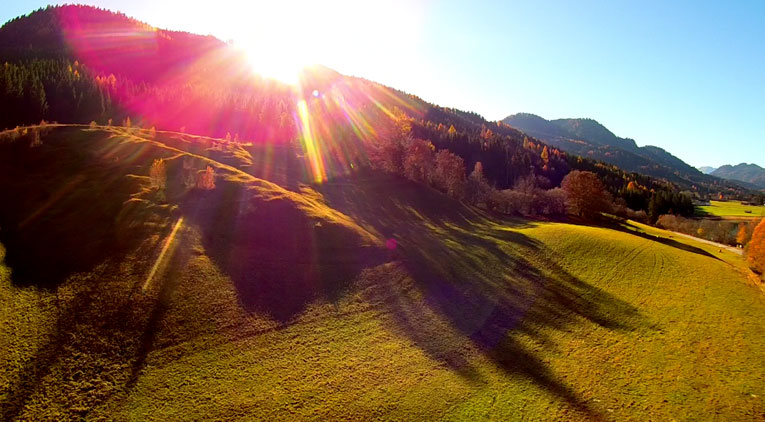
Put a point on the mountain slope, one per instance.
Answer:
(707, 169)
(251, 301)
(750, 173)
(589, 138)
(80, 64)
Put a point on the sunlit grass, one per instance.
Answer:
(731, 209)
(469, 318)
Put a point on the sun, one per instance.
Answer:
(280, 38)
(281, 62)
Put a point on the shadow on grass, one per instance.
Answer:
(278, 258)
(622, 227)
(474, 284)
(60, 206)
(105, 328)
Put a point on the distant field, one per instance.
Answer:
(469, 317)
(730, 209)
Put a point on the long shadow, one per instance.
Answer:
(488, 284)
(80, 329)
(61, 204)
(96, 321)
(616, 225)
(279, 258)
(61, 216)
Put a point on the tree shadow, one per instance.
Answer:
(278, 257)
(474, 284)
(61, 207)
(103, 325)
(624, 228)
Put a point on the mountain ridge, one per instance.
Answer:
(749, 173)
(218, 95)
(589, 138)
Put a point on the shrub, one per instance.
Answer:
(555, 202)
(716, 231)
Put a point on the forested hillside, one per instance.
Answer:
(588, 138)
(64, 64)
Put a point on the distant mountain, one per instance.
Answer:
(707, 169)
(588, 138)
(750, 173)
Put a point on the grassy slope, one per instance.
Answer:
(731, 209)
(468, 318)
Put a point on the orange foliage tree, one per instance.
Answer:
(585, 193)
(755, 252)
(450, 173)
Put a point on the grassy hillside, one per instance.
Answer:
(730, 209)
(251, 301)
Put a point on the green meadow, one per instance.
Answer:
(255, 302)
(730, 209)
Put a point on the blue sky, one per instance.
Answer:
(687, 76)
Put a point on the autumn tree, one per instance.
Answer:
(478, 187)
(449, 174)
(389, 152)
(586, 196)
(158, 175)
(206, 179)
(452, 131)
(545, 155)
(418, 160)
(745, 230)
(755, 252)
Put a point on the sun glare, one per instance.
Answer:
(282, 64)
(281, 38)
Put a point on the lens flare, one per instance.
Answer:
(161, 257)
(309, 145)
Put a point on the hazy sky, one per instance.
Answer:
(686, 76)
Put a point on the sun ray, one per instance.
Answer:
(162, 254)
(309, 143)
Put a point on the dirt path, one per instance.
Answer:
(709, 242)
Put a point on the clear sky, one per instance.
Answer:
(687, 76)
